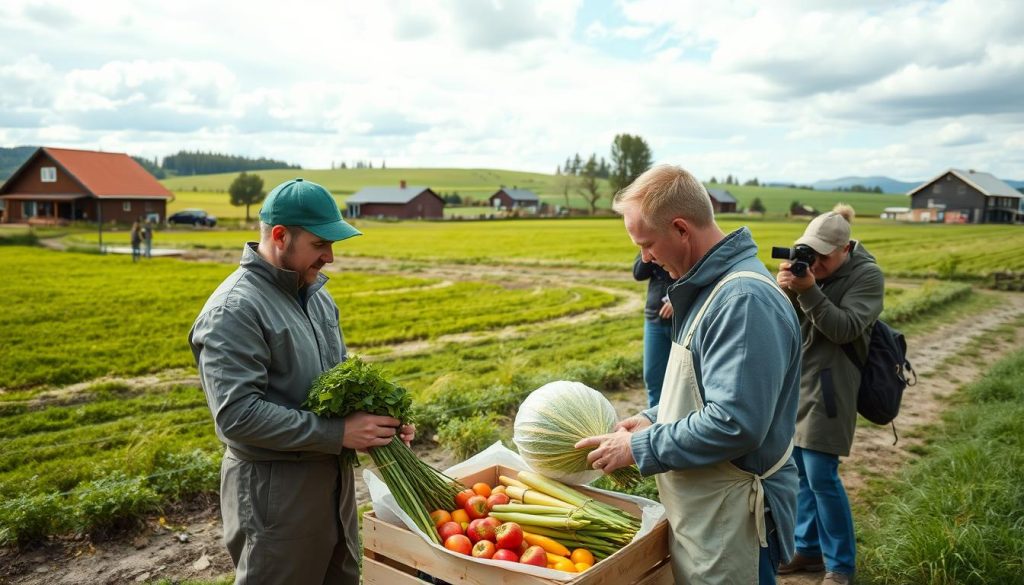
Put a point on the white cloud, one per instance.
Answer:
(792, 90)
(957, 134)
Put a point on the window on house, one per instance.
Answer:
(28, 208)
(48, 174)
(961, 190)
(937, 189)
(126, 206)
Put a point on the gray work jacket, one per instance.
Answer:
(258, 348)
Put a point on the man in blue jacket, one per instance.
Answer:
(721, 439)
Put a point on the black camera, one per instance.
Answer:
(800, 256)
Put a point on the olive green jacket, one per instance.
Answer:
(840, 309)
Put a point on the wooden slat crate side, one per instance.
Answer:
(377, 573)
(396, 545)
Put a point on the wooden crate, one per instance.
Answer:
(393, 555)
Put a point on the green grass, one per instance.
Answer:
(210, 192)
(85, 316)
(957, 514)
(943, 251)
(75, 317)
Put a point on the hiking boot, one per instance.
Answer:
(802, 563)
(836, 579)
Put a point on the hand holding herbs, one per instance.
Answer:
(353, 387)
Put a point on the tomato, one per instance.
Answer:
(582, 555)
(459, 543)
(461, 497)
(460, 516)
(440, 517)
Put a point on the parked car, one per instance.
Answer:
(196, 217)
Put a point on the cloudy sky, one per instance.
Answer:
(793, 90)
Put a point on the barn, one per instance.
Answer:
(509, 199)
(722, 201)
(402, 202)
(60, 185)
(959, 196)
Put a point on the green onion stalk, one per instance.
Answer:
(354, 386)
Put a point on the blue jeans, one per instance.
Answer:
(824, 523)
(657, 345)
(768, 563)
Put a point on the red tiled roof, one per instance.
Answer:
(108, 174)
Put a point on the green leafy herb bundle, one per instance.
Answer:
(354, 386)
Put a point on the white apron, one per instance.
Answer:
(716, 512)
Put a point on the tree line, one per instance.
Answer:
(207, 163)
(630, 157)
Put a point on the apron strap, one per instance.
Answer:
(714, 291)
(757, 495)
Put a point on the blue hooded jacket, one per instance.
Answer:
(746, 352)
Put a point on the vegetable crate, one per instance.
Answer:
(393, 555)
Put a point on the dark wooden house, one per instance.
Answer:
(510, 199)
(722, 201)
(958, 196)
(402, 202)
(59, 185)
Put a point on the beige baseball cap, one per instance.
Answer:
(826, 232)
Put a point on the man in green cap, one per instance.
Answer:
(265, 334)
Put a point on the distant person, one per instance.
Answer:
(837, 301)
(136, 237)
(657, 325)
(287, 502)
(147, 237)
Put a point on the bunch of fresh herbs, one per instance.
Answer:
(356, 386)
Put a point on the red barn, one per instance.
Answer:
(402, 202)
(59, 185)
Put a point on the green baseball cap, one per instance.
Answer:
(307, 205)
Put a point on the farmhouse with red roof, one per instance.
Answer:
(59, 185)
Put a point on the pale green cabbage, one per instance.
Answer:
(552, 419)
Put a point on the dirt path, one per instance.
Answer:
(187, 544)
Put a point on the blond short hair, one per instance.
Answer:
(665, 192)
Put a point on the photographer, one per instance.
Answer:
(838, 298)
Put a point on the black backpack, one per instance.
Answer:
(883, 376)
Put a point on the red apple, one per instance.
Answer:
(459, 543)
(484, 549)
(503, 554)
(448, 529)
(497, 500)
(535, 555)
(481, 529)
(522, 547)
(509, 536)
(476, 507)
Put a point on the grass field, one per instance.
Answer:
(210, 192)
(956, 514)
(901, 249)
(103, 451)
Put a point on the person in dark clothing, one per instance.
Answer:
(657, 325)
(136, 237)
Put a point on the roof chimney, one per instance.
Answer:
(401, 184)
